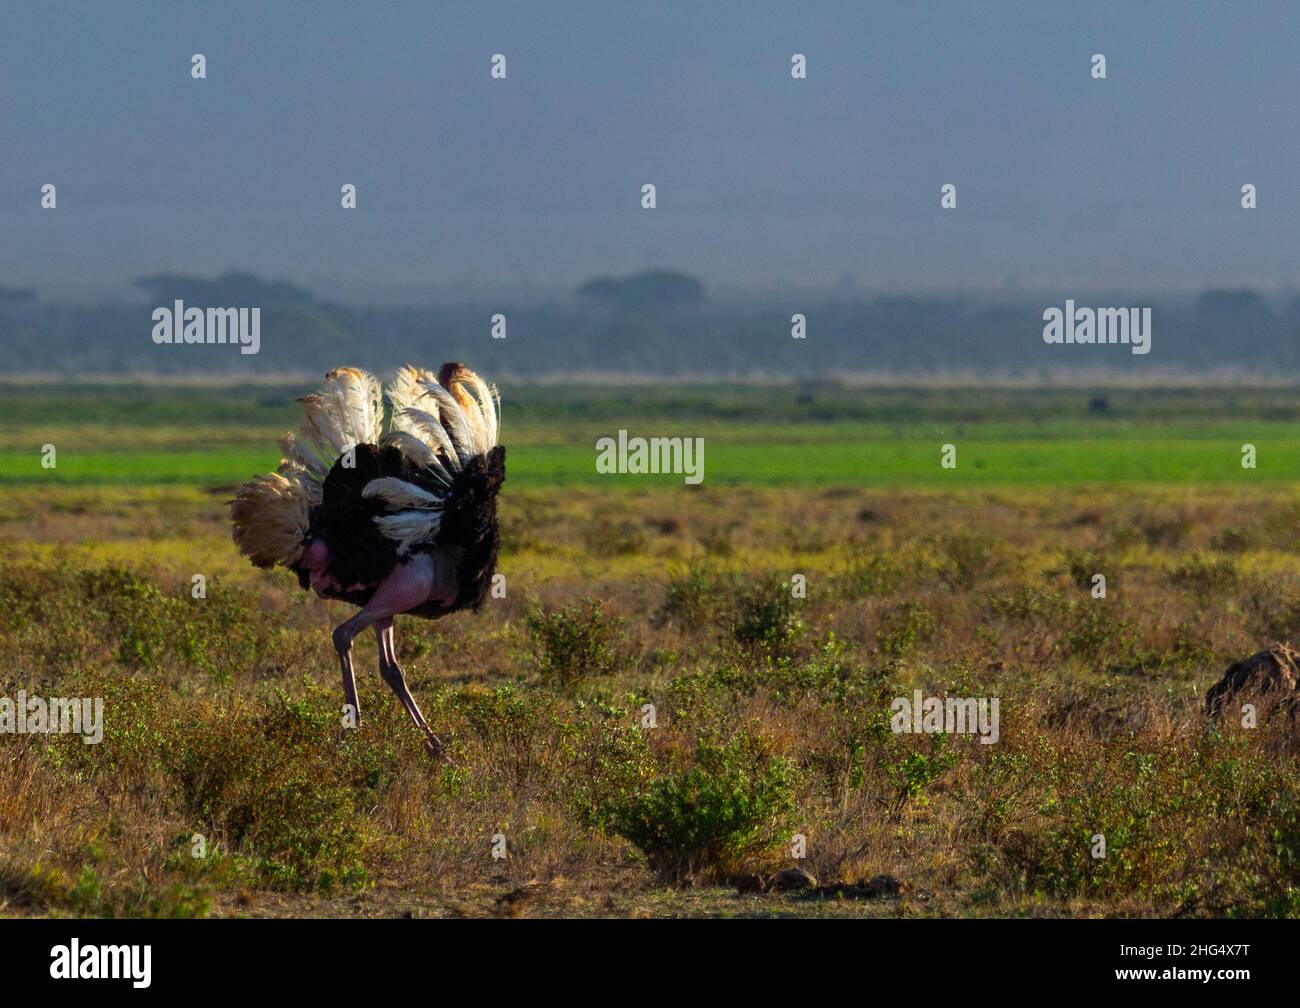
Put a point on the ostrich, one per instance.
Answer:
(402, 522)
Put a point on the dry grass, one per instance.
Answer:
(221, 713)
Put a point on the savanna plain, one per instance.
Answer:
(634, 597)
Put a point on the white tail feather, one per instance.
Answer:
(404, 390)
(428, 428)
(418, 452)
(458, 421)
(452, 419)
(478, 402)
(345, 412)
(406, 528)
(399, 494)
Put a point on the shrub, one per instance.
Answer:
(1190, 827)
(76, 613)
(612, 758)
(1095, 634)
(970, 558)
(135, 607)
(765, 618)
(1205, 577)
(827, 674)
(733, 802)
(858, 748)
(912, 774)
(903, 628)
(1273, 605)
(574, 642)
(1165, 529)
(691, 600)
(1082, 565)
(607, 537)
(1233, 539)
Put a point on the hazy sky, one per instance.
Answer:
(1065, 183)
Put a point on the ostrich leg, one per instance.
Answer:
(392, 674)
(350, 684)
(415, 582)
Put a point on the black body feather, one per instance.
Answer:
(361, 554)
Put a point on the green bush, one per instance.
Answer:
(731, 803)
(1083, 565)
(765, 618)
(144, 627)
(1095, 634)
(913, 774)
(903, 628)
(969, 558)
(574, 642)
(1207, 578)
(1191, 828)
(691, 600)
(611, 757)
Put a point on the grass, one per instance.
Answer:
(987, 455)
(822, 437)
(651, 715)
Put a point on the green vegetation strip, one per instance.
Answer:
(910, 462)
(799, 435)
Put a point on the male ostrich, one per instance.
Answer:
(402, 522)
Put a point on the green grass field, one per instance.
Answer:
(1003, 438)
(1120, 458)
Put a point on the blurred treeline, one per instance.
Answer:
(653, 325)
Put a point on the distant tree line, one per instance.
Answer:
(655, 324)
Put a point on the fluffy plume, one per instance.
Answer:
(478, 401)
(358, 398)
(406, 528)
(306, 482)
(408, 396)
(440, 422)
(428, 428)
(418, 452)
(399, 494)
(404, 390)
(270, 520)
(440, 403)
(346, 411)
(454, 412)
